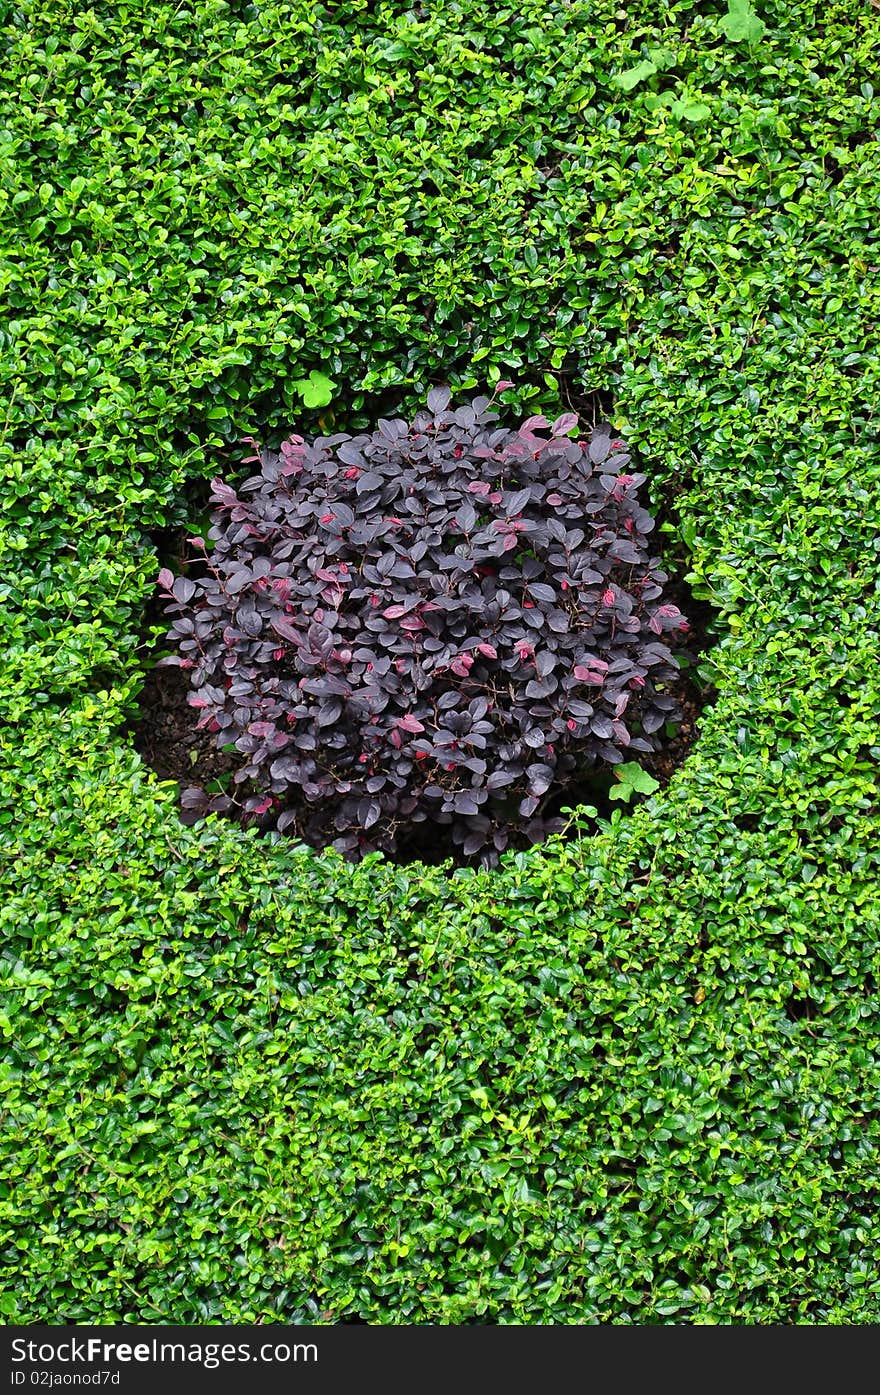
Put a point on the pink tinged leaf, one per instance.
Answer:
(222, 492)
(165, 579)
(488, 650)
(554, 500)
(263, 805)
(562, 425)
(286, 631)
(518, 448)
(394, 612)
(608, 597)
(655, 625)
(479, 487)
(395, 738)
(195, 701)
(410, 723)
(589, 675)
(503, 385)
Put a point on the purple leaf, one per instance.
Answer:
(540, 778)
(515, 503)
(541, 592)
(221, 491)
(183, 589)
(598, 450)
(371, 480)
(285, 629)
(499, 779)
(438, 399)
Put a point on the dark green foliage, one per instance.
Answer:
(630, 1077)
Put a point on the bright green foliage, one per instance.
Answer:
(631, 779)
(632, 1076)
(316, 390)
(633, 76)
(741, 24)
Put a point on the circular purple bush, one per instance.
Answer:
(442, 621)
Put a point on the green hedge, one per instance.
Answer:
(632, 1076)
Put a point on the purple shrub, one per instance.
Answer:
(441, 621)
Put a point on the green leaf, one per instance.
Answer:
(691, 110)
(636, 778)
(316, 390)
(741, 24)
(654, 100)
(622, 791)
(631, 78)
(530, 257)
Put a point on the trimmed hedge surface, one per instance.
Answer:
(631, 1076)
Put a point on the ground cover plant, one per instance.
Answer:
(501, 638)
(630, 1075)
